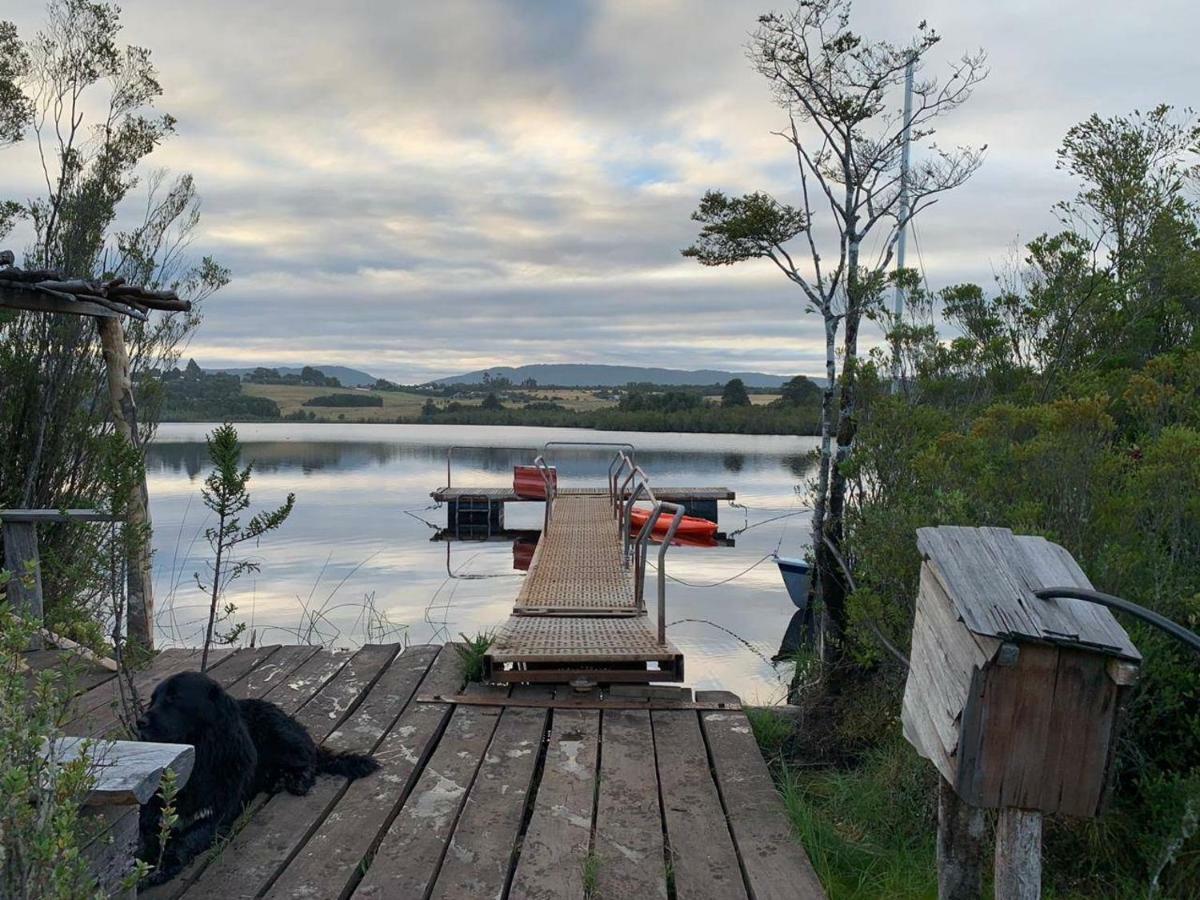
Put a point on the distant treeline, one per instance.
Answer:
(344, 400)
(770, 419)
(191, 395)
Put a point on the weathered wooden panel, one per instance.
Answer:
(127, 772)
(629, 840)
(263, 678)
(555, 850)
(481, 849)
(991, 574)
(335, 856)
(410, 855)
(701, 850)
(776, 866)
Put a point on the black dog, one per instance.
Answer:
(242, 747)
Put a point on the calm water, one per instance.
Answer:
(360, 558)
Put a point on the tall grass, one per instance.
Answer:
(869, 831)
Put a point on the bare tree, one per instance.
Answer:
(846, 130)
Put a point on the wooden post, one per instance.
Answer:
(959, 846)
(1018, 854)
(25, 586)
(139, 583)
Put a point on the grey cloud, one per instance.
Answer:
(420, 188)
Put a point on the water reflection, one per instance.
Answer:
(362, 555)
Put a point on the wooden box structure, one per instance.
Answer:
(1014, 698)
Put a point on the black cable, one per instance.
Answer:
(1139, 612)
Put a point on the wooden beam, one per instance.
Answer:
(128, 772)
(37, 301)
(1018, 854)
(138, 580)
(960, 837)
(55, 515)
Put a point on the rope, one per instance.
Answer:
(717, 583)
(737, 637)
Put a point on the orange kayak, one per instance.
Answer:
(690, 527)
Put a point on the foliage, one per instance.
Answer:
(836, 88)
(225, 494)
(1065, 405)
(471, 653)
(42, 833)
(869, 832)
(491, 403)
(204, 397)
(735, 394)
(93, 125)
(357, 400)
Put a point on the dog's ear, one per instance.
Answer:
(214, 692)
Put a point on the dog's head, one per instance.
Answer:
(184, 709)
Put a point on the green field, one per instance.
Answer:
(290, 398)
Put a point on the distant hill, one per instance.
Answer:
(582, 375)
(348, 377)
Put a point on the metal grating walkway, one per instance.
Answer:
(578, 613)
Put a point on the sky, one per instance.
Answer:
(422, 188)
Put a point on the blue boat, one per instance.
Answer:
(796, 578)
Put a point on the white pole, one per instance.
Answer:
(898, 308)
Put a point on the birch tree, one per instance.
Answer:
(841, 94)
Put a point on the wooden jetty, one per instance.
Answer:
(581, 615)
(509, 791)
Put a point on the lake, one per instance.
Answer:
(361, 558)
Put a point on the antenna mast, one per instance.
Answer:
(898, 308)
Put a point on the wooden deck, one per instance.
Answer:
(529, 791)
(577, 614)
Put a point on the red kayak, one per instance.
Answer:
(691, 526)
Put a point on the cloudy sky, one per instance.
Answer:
(421, 188)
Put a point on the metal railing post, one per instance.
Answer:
(551, 491)
(662, 568)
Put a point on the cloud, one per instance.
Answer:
(424, 188)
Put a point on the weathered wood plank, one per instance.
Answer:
(774, 862)
(629, 838)
(271, 672)
(276, 827)
(410, 854)
(960, 834)
(337, 699)
(291, 693)
(699, 845)
(1018, 864)
(555, 849)
(164, 663)
(127, 772)
(338, 852)
(55, 515)
(991, 574)
(481, 849)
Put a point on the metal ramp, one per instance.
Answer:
(581, 612)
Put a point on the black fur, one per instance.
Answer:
(242, 747)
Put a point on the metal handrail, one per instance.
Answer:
(450, 453)
(639, 556)
(551, 491)
(627, 516)
(623, 460)
(662, 566)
